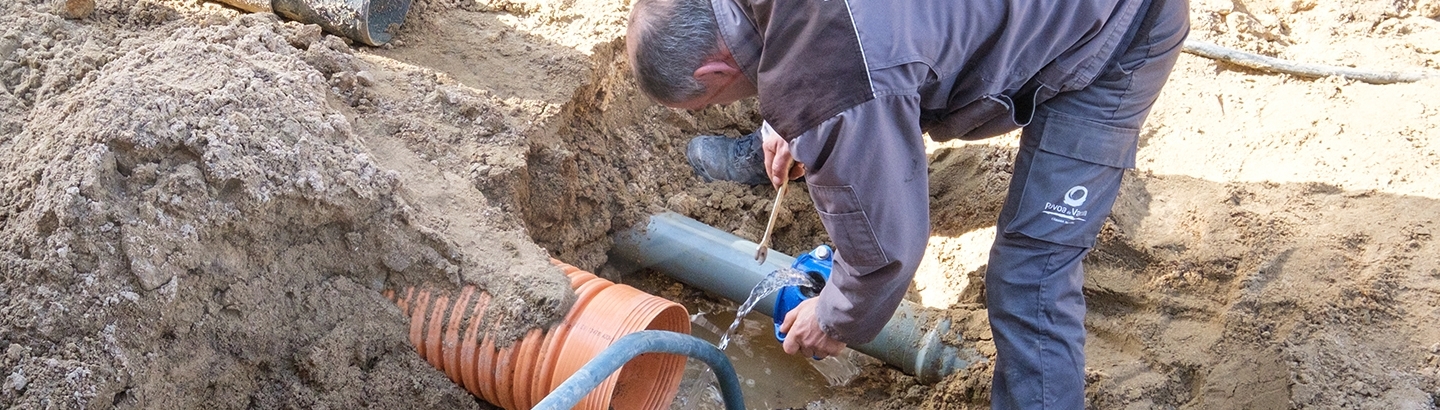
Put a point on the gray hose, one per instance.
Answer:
(1271, 64)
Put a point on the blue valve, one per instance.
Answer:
(817, 263)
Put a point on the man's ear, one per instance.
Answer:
(716, 71)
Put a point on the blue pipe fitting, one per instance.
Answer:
(817, 264)
(724, 264)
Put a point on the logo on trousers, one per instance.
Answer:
(1076, 196)
(1069, 213)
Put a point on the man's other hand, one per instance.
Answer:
(777, 155)
(803, 335)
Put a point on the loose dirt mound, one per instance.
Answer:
(198, 207)
(190, 220)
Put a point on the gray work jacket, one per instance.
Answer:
(853, 84)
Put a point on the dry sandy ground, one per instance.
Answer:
(198, 207)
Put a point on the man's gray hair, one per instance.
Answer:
(677, 37)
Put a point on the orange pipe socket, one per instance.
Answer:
(446, 330)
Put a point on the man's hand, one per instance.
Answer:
(777, 155)
(803, 334)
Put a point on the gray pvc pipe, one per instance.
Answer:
(724, 264)
(365, 21)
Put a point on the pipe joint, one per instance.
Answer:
(721, 263)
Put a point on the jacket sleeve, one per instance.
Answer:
(867, 174)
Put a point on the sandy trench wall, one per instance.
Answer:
(619, 158)
(1237, 297)
(189, 218)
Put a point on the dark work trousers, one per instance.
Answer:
(1067, 174)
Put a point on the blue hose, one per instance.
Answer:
(569, 393)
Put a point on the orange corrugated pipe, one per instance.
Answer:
(446, 330)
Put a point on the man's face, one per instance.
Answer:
(718, 94)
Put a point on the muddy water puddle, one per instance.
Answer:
(769, 378)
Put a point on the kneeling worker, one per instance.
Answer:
(851, 86)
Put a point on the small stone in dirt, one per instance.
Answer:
(301, 36)
(397, 261)
(1428, 8)
(365, 78)
(16, 381)
(150, 276)
(74, 9)
(1435, 348)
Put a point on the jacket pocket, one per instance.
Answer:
(992, 115)
(962, 122)
(1072, 180)
(845, 219)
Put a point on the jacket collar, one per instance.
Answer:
(738, 31)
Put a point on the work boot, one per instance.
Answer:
(717, 158)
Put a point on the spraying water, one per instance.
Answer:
(772, 283)
(767, 366)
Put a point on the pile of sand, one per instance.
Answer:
(189, 219)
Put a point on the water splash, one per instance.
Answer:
(839, 369)
(698, 389)
(772, 283)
